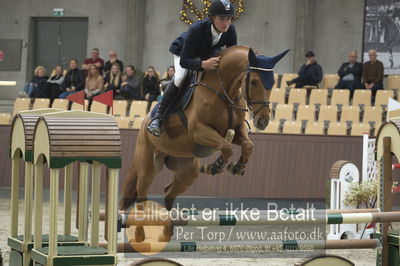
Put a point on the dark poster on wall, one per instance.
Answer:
(382, 32)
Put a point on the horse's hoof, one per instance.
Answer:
(202, 169)
(139, 234)
(236, 169)
(213, 169)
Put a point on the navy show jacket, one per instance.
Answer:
(194, 45)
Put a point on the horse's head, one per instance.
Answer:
(258, 84)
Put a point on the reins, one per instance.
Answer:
(232, 104)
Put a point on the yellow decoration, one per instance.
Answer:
(188, 8)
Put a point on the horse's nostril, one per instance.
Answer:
(262, 123)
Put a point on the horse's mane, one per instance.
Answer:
(238, 47)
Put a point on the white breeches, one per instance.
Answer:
(180, 72)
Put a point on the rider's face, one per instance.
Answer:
(222, 24)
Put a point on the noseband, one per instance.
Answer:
(250, 102)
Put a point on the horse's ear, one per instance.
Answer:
(278, 57)
(252, 58)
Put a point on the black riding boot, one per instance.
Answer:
(155, 125)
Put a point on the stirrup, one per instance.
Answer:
(155, 131)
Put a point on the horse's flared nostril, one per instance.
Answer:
(261, 123)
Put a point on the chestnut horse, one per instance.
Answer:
(218, 105)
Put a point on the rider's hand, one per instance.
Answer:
(210, 64)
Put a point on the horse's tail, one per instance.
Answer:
(129, 191)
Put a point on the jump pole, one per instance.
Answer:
(263, 219)
(102, 214)
(206, 246)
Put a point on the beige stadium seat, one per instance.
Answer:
(120, 108)
(362, 97)
(123, 122)
(315, 128)
(328, 112)
(306, 112)
(276, 79)
(340, 97)
(382, 97)
(337, 129)
(360, 129)
(273, 127)
(138, 109)
(319, 96)
(98, 108)
(41, 103)
(137, 123)
(350, 113)
(5, 118)
(292, 127)
(297, 96)
(393, 82)
(284, 111)
(287, 77)
(277, 96)
(21, 104)
(372, 114)
(330, 81)
(76, 106)
(376, 129)
(60, 104)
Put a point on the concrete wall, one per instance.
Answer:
(141, 30)
(107, 28)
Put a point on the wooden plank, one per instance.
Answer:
(73, 127)
(82, 137)
(85, 142)
(91, 123)
(85, 154)
(90, 120)
(84, 148)
(80, 132)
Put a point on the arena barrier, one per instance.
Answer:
(60, 139)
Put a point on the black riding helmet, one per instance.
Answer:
(222, 8)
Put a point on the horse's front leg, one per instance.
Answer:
(207, 136)
(242, 139)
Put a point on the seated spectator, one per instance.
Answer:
(170, 75)
(130, 88)
(93, 60)
(113, 59)
(373, 74)
(151, 89)
(74, 80)
(310, 74)
(113, 80)
(54, 84)
(350, 74)
(94, 84)
(37, 86)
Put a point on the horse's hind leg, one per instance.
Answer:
(186, 172)
(139, 179)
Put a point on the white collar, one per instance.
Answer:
(215, 35)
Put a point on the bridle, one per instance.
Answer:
(250, 102)
(233, 103)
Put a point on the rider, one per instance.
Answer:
(196, 50)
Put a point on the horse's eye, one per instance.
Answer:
(254, 82)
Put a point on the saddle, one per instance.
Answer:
(183, 97)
